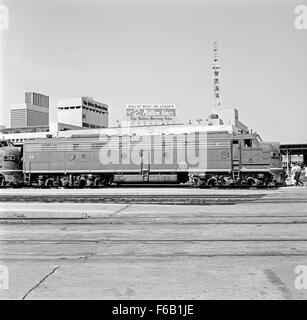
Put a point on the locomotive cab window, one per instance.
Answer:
(235, 142)
(248, 143)
(258, 138)
(255, 143)
(3, 144)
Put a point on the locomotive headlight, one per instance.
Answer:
(274, 155)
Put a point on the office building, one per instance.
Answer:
(34, 112)
(83, 112)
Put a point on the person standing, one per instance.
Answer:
(297, 175)
(304, 175)
(292, 173)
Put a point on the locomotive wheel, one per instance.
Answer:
(49, 183)
(99, 182)
(251, 182)
(201, 184)
(64, 183)
(228, 182)
(80, 183)
(108, 180)
(198, 182)
(212, 182)
(57, 183)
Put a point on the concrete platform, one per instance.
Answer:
(129, 251)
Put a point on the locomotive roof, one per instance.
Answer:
(149, 130)
(153, 130)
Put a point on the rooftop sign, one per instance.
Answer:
(151, 111)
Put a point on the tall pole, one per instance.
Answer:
(216, 73)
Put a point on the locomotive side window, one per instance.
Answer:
(248, 143)
(255, 143)
(235, 141)
(275, 155)
(214, 116)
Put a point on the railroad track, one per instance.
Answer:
(166, 199)
(173, 199)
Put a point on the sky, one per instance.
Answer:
(144, 51)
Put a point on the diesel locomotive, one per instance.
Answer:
(205, 156)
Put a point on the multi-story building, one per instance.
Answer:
(83, 112)
(34, 112)
(36, 99)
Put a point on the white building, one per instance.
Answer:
(19, 135)
(83, 112)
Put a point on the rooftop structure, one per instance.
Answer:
(19, 135)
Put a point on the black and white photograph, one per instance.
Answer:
(153, 150)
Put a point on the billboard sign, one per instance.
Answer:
(151, 111)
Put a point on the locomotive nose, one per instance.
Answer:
(275, 151)
(13, 154)
(275, 160)
(10, 166)
(271, 148)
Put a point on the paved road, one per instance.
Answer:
(98, 250)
